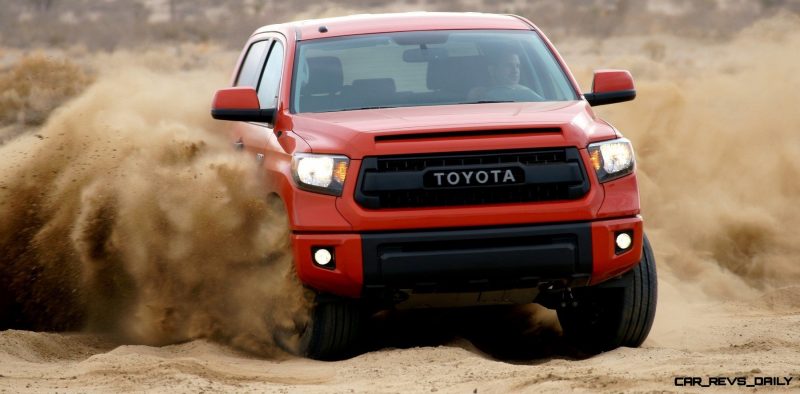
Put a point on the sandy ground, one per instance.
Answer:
(757, 339)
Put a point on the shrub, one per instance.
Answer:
(35, 86)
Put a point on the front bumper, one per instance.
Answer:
(377, 264)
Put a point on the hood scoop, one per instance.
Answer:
(465, 133)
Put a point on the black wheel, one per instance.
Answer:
(333, 332)
(616, 313)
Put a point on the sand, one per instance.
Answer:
(708, 339)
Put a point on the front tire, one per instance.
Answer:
(616, 313)
(334, 330)
(333, 327)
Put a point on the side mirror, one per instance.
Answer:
(611, 86)
(240, 103)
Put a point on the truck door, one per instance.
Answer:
(262, 69)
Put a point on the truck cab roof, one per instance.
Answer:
(409, 21)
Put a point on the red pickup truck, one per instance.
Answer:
(441, 160)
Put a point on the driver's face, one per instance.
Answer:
(506, 70)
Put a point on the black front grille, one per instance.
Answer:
(397, 181)
(388, 164)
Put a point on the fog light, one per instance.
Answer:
(323, 258)
(624, 241)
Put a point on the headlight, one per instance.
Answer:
(612, 159)
(320, 173)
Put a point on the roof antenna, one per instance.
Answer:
(323, 29)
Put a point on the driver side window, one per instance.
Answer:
(252, 65)
(271, 79)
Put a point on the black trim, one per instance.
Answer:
(466, 133)
(476, 259)
(562, 178)
(619, 96)
(264, 61)
(244, 115)
(407, 180)
(292, 89)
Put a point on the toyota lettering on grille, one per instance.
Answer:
(474, 177)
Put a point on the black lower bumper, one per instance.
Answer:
(476, 260)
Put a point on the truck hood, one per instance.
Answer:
(453, 128)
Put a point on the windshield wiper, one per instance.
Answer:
(488, 102)
(360, 108)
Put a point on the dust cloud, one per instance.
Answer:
(126, 213)
(715, 128)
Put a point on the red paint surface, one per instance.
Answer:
(607, 264)
(611, 81)
(241, 97)
(411, 21)
(346, 279)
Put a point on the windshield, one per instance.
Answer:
(426, 68)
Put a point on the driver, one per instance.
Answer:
(504, 72)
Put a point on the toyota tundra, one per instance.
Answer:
(430, 160)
